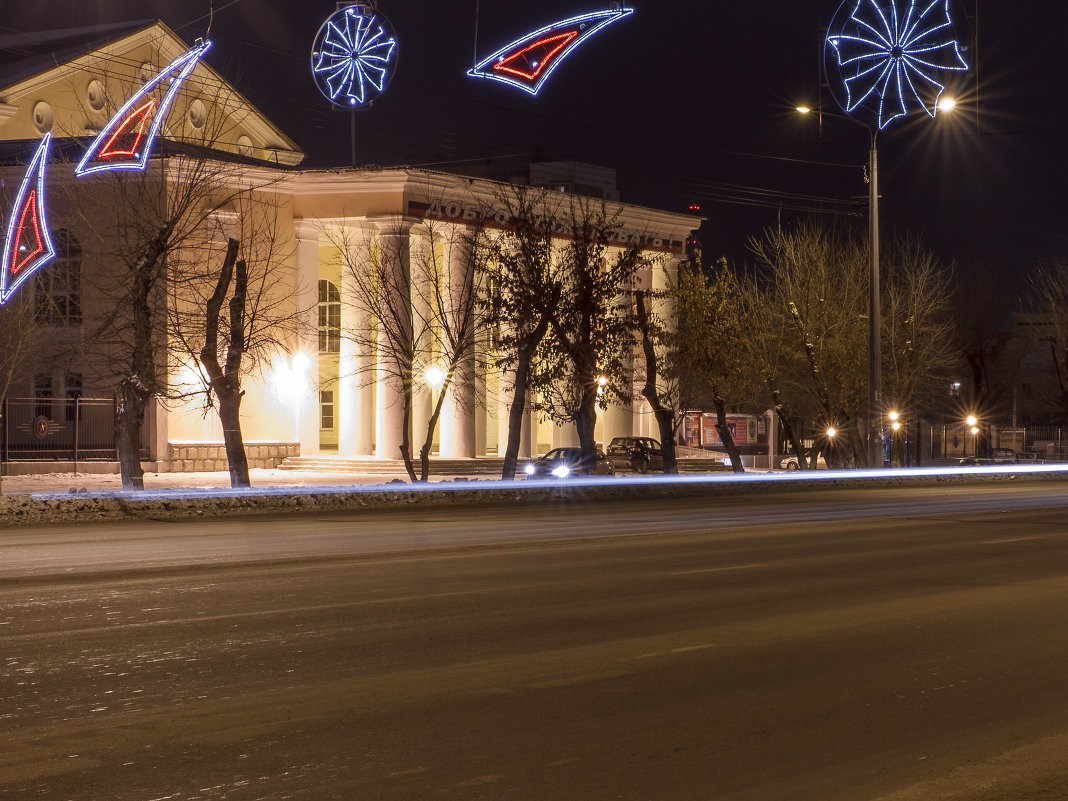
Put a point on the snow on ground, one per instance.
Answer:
(65, 482)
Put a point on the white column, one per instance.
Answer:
(307, 233)
(617, 422)
(458, 429)
(356, 374)
(422, 299)
(395, 253)
(565, 436)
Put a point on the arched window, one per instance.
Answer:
(329, 318)
(57, 296)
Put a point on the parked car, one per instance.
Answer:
(1000, 456)
(640, 454)
(1029, 458)
(566, 462)
(789, 462)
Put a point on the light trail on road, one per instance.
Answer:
(852, 645)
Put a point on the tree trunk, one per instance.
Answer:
(524, 355)
(129, 417)
(230, 417)
(225, 382)
(784, 423)
(585, 426)
(725, 432)
(432, 423)
(665, 417)
(515, 416)
(406, 426)
(133, 392)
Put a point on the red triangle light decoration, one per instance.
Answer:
(28, 245)
(126, 141)
(532, 60)
(527, 63)
(131, 130)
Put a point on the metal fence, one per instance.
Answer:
(1047, 442)
(957, 440)
(61, 429)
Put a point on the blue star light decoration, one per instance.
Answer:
(891, 54)
(353, 56)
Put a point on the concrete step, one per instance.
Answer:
(392, 467)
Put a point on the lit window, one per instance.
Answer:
(326, 409)
(329, 318)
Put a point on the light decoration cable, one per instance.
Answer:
(890, 54)
(28, 245)
(353, 56)
(126, 141)
(528, 62)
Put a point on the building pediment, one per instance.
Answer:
(77, 96)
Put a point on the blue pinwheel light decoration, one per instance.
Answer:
(892, 56)
(353, 56)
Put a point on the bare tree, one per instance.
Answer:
(917, 332)
(260, 318)
(521, 292)
(415, 313)
(138, 223)
(447, 285)
(587, 356)
(659, 346)
(712, 319)
(819, 299)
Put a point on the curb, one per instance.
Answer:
(44, 509)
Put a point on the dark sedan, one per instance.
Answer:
(640, 454)
(566, 462)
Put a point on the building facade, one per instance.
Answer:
(318, 392)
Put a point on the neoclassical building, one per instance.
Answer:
(319, 393)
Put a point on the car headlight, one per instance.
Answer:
(562, 471)
(529, 469)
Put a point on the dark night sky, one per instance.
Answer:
(688, 99)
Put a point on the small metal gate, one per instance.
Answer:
(61, 429)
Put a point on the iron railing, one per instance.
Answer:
(61, 429)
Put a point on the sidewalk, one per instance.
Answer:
(104, 482)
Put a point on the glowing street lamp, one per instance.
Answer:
(434, 376)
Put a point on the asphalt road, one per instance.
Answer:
(893, 644)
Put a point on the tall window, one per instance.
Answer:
(57, 293)
(329, 318)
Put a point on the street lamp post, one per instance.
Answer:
(888, 65)
(875, 366)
